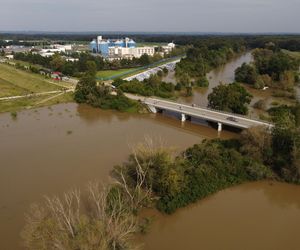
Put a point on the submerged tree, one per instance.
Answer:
(103, 221)
(232, 98)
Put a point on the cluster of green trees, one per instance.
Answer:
(203, 56)
(153, 86)
(102, 96)
(270, 68)
(58, 62)
(230, 97)
(200, 58)
(214, 165)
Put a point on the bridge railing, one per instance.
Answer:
(214, 110)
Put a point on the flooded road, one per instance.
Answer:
(50, 150)
(260, 216)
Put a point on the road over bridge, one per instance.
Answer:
(186, 112)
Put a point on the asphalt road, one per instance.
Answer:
(204, 113)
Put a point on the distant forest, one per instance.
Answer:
(290, 42)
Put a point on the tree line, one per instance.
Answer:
(270, 68)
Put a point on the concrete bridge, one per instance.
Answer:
(187, 112)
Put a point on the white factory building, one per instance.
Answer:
(168, 48)
(129, 53)
(55, 48)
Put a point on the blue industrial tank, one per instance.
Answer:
(93, 46)
(131, 44)
(103, 48)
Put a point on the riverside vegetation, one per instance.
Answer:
(272, 67)
(190, 71)
(107, 217)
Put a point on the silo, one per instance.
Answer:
(118, 43)
(93, 46)
(103, 48)
(131, 44)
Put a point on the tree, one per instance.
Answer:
(232, 98)
(85, 88)
(256, 143)
(189, 91)
(246, 74)
(286, 144)
(91, 68)
(144, 60)
(63, 223)
(185, 80)
(57, 62)
(202, 82)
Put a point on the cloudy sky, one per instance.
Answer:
(151, 15)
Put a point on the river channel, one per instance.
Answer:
(49, 150)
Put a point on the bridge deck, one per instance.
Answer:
(203, 113)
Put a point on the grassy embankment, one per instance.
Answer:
(14, 82)
(123, 73)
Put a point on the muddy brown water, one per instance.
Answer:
(40, 157)
(260, 216)
(50, 150)
(224, 74)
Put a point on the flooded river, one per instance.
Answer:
(224, 74)
(50, 150)
(260, 216)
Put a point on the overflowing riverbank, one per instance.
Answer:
(82, 144)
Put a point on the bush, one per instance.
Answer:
(101, 96)
(202, 82)
(153, 86)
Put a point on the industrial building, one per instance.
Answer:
(119, 48)
(129, 53)
(102, 46)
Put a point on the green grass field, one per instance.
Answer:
(106, 74)
(15, 82)
(110, 73)
(33, 102)
(9, 89)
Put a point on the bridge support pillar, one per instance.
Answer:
(152, 109)
(219, 126)
(183, 117)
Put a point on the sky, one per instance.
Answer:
(238, 16)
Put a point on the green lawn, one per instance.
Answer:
(33, 102)
(18, 82)
(9, 89)
(110, 73)
(106, 74)
(14, 81)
